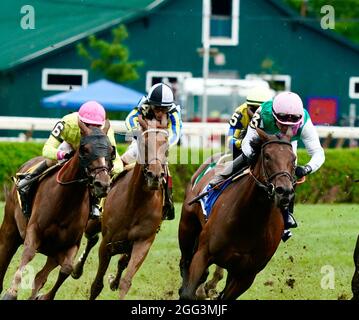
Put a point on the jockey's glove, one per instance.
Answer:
(302, 171)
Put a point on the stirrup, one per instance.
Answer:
(290, 223)
(286, 235)
(95, 212)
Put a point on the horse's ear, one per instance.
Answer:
(107, 126)
(83, 128)
(142, 122)
(264, 136)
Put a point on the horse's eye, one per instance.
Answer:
(266, 157)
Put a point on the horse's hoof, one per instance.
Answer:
(113, 284)
(8, 296)
(76, 272)
(201, 293)
(213, 294)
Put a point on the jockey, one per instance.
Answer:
(64, 138)
(243, 115)
(274, 117)
(159, 101)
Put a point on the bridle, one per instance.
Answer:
(267, 185)
(155, 158)
(101, 146)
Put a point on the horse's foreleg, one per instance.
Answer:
(42, 275)
(30, 246)
(355, 280)
(197, 270)
(121, 265)
(10, 241)
(188, 231)
(235, 286)
(79, 267)
(104, 260)
(65, 260)
(139, 252)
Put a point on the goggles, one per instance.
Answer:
(284, 117)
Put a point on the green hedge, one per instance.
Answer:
(333, 183)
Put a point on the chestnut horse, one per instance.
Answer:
(60, 212)
(133, 210)
(246, 223)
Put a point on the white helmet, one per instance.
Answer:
(256, 96)
(160, 95)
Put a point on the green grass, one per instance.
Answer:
(322, 244)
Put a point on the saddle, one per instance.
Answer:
(25, 198)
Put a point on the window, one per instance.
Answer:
(277, 82)
(221, 21)
(173, 79)
(354, 87)
(64, 79)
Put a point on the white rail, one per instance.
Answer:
(189, 128)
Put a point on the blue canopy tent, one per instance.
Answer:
(113, 96)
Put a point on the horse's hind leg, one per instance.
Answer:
(235, 286)
(104, 260)
(42, 275)
(138, 255)
(10, 241)
(355, 280)
(92, 231)
(121, 265)
(66, 260)
(208, 289)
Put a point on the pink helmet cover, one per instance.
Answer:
(288, 103)
(91, 112)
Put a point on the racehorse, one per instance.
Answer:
(133, 210)
(246, 223)
(60, 212)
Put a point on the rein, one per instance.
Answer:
(268, 186)
(64, 183)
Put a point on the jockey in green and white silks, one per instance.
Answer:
(304, 131)
(274, 117)
(159, 101)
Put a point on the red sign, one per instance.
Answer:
(323, 110)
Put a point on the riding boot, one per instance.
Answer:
(168, 208)
(24, 187)
(24, 183)
(289, 221)
(96, 209)
(229, 169)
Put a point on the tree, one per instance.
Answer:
(111, 58)
(346, 14)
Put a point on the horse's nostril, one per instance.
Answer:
(279, 190)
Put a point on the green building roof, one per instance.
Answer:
(58, 23)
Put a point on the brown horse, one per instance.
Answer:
(133, 210)
(60, 212)
(245, 225)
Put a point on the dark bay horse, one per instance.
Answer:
(133, 210)
(60, 212)
(355, 279)
(246, 223)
